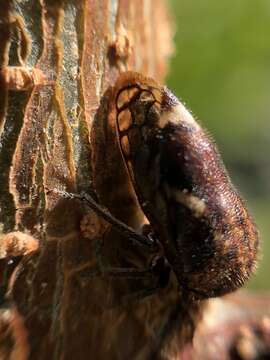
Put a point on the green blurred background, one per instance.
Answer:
(221, 70)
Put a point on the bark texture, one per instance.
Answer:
(58, 61)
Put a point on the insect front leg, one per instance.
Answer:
(118, 225)
(146, 239)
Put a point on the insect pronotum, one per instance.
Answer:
(207, 234)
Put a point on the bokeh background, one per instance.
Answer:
(221, 70)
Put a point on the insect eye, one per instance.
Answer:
(147, 96)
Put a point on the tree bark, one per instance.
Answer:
(58, 61)
(68, 297)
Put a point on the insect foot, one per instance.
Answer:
(208, 236)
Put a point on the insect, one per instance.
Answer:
(207, 235)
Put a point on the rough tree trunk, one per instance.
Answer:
(58, 58)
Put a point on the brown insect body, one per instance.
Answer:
(207, 235)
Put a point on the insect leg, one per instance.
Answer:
(106, 215)
(135, 296)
